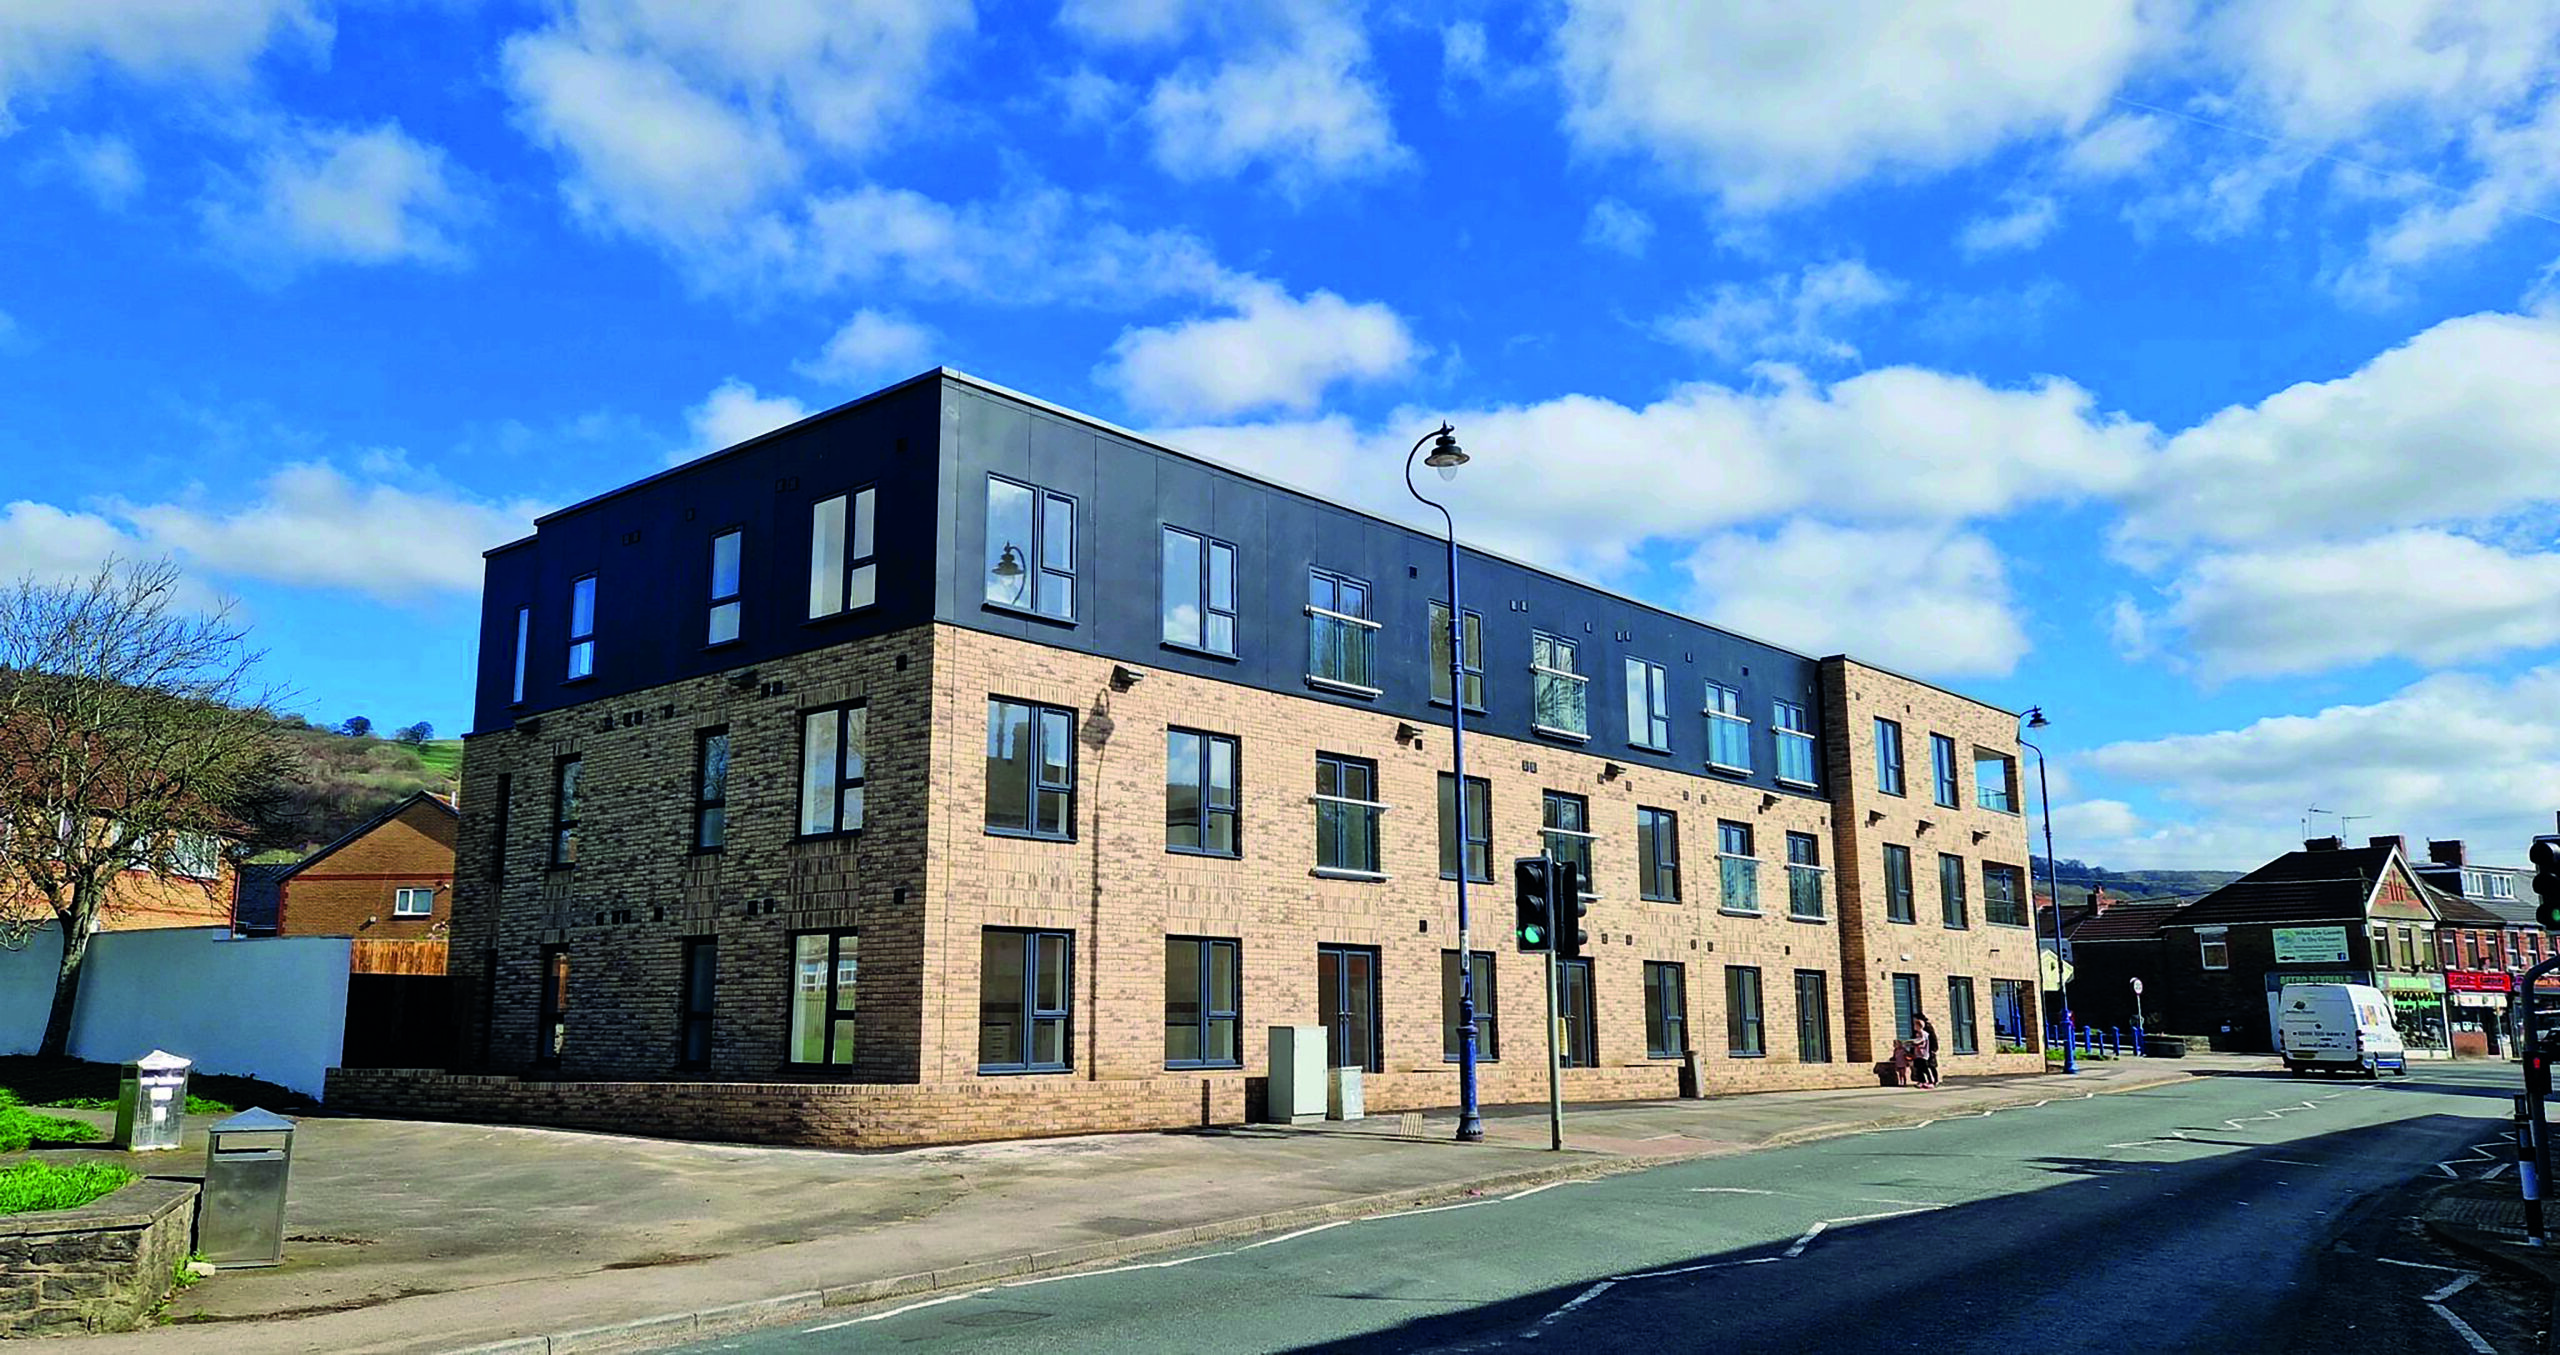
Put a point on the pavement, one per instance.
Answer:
(413, 1236)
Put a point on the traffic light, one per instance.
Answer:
(2545, 856)
(1567, 881)
(2537, 1074)
(1529, 889)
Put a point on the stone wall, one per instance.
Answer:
(101, 1267)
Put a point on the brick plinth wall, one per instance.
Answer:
(101, 1267)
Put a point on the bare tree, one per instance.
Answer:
(132, 738)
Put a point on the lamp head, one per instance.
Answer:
(1009, 564)
(2035, 717)
(1446, 455)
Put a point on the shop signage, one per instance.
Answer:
(2478, 981)
(2311, 945)
(2413, 983)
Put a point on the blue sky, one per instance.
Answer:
(2185, 369)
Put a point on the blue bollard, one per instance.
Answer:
(2137, 1042)
(2115, 1042)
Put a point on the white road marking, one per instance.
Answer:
(1704, 1265)
(1724, 1190)
(894, 1312)
(2463, 1330)
(1303, 1232)
(1539, 1327)
(2459, 1284)
(1535, 1189)
(1797, 1248)
(2420, 1265)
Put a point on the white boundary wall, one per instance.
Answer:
(266, 1007)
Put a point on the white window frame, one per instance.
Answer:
(400, 903)
(2210, 940)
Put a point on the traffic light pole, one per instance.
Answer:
(1555, 1027)
(2532, 1149)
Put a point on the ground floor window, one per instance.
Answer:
(1200, 1003)
(413, 902)
(1023, 979)
(1488, 1026)
(1960, 1030)
(1347, 1005)
(701, 980)
(1666, 1011)
(1813, 1016)
(551, 1030)
(823, 968)
(2012, 1002)
(1581, 1043)
(1906, 1004)
(1742, 1038)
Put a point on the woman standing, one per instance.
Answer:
(1924, 1051)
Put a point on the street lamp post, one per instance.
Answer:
(2053, 889)
(1446, 456)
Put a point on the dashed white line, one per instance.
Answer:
(2420, 1265)
(1539, 1327)
(2460, 1283)
(1726, 1190)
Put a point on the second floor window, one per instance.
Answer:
(1995, 780)
(1897, 883)
(1658, 855)
(2002, 901)
(1347, 812)
(1804, 875)
(1342, 642)
(1648, 706)
(564, 813)
(524, 636)
(1199, 592)
(1889, 756)
(1951, 889)
(1728, 730)
(582, 628)
(834, 754)
(1470, 656)
(1479, 828)
(1031, 769)
(1738, 872)
(723, 626)
(1199, 793)
(711, 790)
(1557, 701)
(1794, 734)
(1566, 835)
(1942, 768)
(844, 566)
(1031, 549)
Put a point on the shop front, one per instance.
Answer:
(2418, 1009)
(2478, 999)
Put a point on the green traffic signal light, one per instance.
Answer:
(1533, 937)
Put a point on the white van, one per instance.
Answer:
(2344, 1027)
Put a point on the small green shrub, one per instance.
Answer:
(196, 1105)
(34, 1185)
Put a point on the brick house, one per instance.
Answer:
(2111, 945)
(389, 878)
(195, 892)
(951, 765)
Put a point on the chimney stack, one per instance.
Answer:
(2392, 840)
(2447, 852)
(2098, 899)
(2322, 844)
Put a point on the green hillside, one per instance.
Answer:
(2077, 878)
(340, 781)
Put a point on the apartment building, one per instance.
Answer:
(952, 765)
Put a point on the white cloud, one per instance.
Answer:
(1274, 352)
(46, 44)
(1766, 105)
(1615, 226)
(2023, 224)
(45, 543)
(2118, 146)
(1783, 315)
(731, 414)
(1300, 102)
(103, 166)
(2080, 821)
(340, 196)
(2324, 71)
(648, 152)
(1920, 599)
(2130, 628)
(872, 345)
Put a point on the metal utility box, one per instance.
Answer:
(151, 1102)
(1343, 1096)
(1296, 1091)
(247, 1161)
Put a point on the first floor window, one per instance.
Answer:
(1557, 702)
(1567, 834)
(1813, 1016)
(701, 977)
(2002, 899)
(1960, 1032)
(1666, 1011)
(2213, 947)
(1738, 869)
(413, 902)
(1804, 875)
(1942, 768)
(1022, 1000)
(1951, 889)
(551, 1024)
(1347, 811)
(1199, 793)
(1658, 855)
(711, 789)
(823, 969)
(564, 812)
(1201, 986)
(1575, 1007)
(1648, 706)
(1794, 734)
(1199, 609)
(834, 755)
(1906, 1004)
(1342, 642)
(1478, 829)
(1728, 730)
(1347, 1005)
(1488, 1028)
(1742, 1011)
(844, 573)
(1031, 549)
(1897, 883)
(2012, 1001)
(1031, 769)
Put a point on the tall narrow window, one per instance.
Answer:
(711, 790)
(1479, 828)
(564, 812)
(1347, 810)
(834, 755)
(1566, 835)
(1951, 890)
(1813, 1016)
(551, 1022)
(1201, 1018)
(1342, 641)
(1558, 703)
(1888, 756)
(1942, 769)
(1742, 1035)
(1728, 730)
(1470, 656)
(1804, 876)
(725, 550)
(1658, 855)
(524, 637)
(701, 979)
(1737, 870)
(844, 565)
(1031, 549)
(582, 628)
(2011, 1001)
(1906, 1003)
(1199, 592)
(1031, 769)
(824, 967)
(1666, 1011)
(1578, 1008)
(1962, 1038)
(1488, 1026)
(505, 798)
(1897, 884)
(1023, 1000)
(1347, 1006)
(1995, 780)
(1199, 793)
(1648, 706)
(2003, 902)
(1795, 743)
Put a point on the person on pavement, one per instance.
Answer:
(1924, 1051)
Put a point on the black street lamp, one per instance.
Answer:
(1446, 456)
(2053, 889)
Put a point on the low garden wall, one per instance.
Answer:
(101, 1267)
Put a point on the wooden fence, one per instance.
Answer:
(398, 957)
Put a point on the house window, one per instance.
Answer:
(1742, 1036)
(1023, 978)
(1951, 890)
(1813, 1016)
(1804, 876)
(1942, 768)
(701, 975)
(1200, 793)
(413, 902)
(2011, 1002)
(1558, 703)
(711, 790)
(1488, 1027)
(1347, 1005)
(551, 1023)
(2380, 940)
(824, 966)
(1995, 781)
(844, 566)
(1737, 870)
(504, 799)
(1478, 829)
(1648, 706)
(1580, 1045)
(1666, 1011)
(1888, 756)
(834, 746)
(1906, 1004)
(1342, 642)
(1566, 835)
(1347, 812)
(2213, 947)
(192, 856)
(524, 636)
(582, 628)
(1728, 730)
(1795, 743)
(1897, 884)
(1470, 656)
(1031, 770)
(724, 587)
(1199, 592)
(1961, 1036)
(2002, 900)
(564, 812)
(1201, 1003)
(1658, 855)
(1031, 549)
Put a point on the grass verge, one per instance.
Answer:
(20, 1127)
(34, 1185)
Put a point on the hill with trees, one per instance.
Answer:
(2076, 878)
(344, 775)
